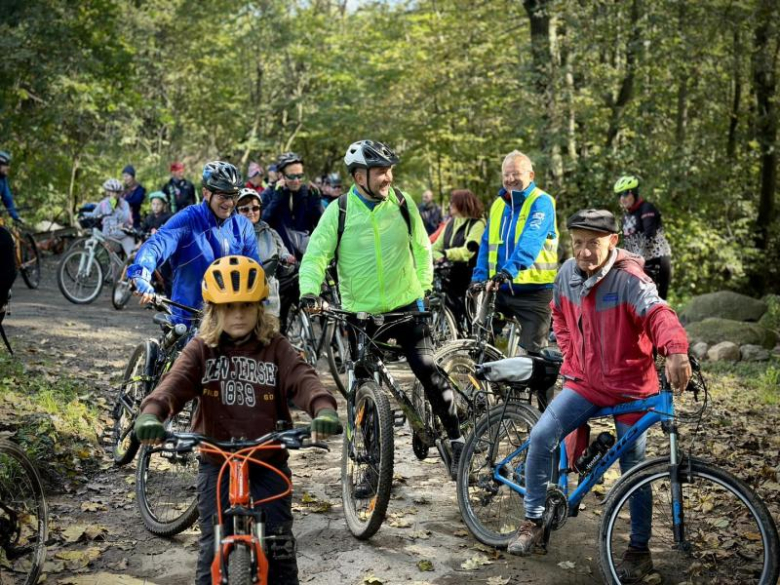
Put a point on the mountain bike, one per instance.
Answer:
(28, 257)
(148, 362)
(444, 327)
(369, 442)
(24, 522)
(122, 290)
(241, 543)
(707, 525)
(80, 275)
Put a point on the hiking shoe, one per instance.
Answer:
(457, 450)
(634, 565)
(366, 487)
(529, 534)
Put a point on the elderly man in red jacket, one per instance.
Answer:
(608, 317)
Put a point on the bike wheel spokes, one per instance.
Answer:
(367, 462)
(491, 510)
(80, 278)
(127, 407)
(23, 518)
(728, 534)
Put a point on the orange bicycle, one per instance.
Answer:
(240, 558)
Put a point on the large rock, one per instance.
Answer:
(724, 351)
(725, 305)
(700, 349)
(771, 319)
(713, 331)
(754, 353)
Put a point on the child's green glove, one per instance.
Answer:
(326, 423)
(149, 428)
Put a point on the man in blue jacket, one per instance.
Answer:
(292, 207)
(5, 189)
(196, 236)
(519, 251)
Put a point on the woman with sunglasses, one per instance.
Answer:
(270, 247)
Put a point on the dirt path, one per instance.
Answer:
(94, 341)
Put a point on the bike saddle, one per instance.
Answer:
(516, 369)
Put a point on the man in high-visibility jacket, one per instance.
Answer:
(519, 251)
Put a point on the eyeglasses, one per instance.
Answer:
(511, 176)
(248, 208)
(227, 196)
(295, 177)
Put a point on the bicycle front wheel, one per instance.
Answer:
(443, 326)
(80, 278)
(31, 261)
(135, 386)
(24, 524)
(728, 535)
(122, 290)
(239, 565)
(166, 484)
(367, 462)
(491, 510)
(338, 349)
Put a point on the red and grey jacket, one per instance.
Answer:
(607, 326)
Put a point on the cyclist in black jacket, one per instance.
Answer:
(643, 233)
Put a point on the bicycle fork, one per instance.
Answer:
(678, 516)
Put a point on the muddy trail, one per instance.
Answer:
(98, 538)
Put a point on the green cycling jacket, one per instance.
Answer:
(378, 269)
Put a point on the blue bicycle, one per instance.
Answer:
(707, 525)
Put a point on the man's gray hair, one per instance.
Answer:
(517, 154)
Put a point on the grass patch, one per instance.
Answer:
(761, 379)
(53, 416)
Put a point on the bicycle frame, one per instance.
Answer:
(658, 408)
(91, 244)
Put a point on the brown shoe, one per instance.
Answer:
(523, 541)
(634, 565)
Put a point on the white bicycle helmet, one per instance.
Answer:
(113, 185)
(369, 154)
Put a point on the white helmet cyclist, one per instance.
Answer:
(369, 154)
(113, 186)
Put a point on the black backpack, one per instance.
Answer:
(343, 218)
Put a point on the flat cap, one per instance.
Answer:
(597, 220)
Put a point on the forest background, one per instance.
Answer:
(682, 93)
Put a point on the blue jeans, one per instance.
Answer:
(567, 412)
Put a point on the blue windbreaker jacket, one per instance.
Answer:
(191, 240)
(8, 198)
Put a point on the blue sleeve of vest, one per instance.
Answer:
(480, 272)
(540, 223)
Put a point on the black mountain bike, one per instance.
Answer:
(24, 523)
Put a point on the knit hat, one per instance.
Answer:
(177, 166)
(596, 220)
(129, 169)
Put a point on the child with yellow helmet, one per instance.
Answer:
(242, 370)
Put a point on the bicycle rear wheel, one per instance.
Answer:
(338, 350)
(729, 535)
(239, 565)
(24, 524)
(80, 280)
(490, 509)
(135, 386)
(166, 484)
(367, 462)
(31, 261)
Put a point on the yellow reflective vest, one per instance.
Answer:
(545, 266)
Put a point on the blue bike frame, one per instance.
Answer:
(658, 408)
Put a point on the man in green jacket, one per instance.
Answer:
(384, 265)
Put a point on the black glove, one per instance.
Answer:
(501, 277)
(310, 302)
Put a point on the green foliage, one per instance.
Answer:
(762, 379)
(86, 87)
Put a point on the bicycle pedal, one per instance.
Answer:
(399, 418)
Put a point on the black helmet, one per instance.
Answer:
(333, 179)
(369, 154)
(5, 157)
(286, 159)
(221, 177)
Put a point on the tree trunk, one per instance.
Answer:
(731, 143)
(765, 57)
(72, 191)
(544, 52)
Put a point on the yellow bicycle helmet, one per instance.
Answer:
(626, 183)
(234, 279)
